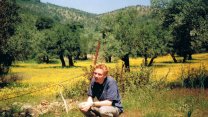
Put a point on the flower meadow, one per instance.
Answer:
(44, 81)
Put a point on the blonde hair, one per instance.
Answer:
(103, 67)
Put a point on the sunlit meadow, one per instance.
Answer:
(45, 81)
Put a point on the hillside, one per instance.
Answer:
(141, 9)
(31, 10)
(57, 13)
(110, 16)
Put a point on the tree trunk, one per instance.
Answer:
(62, 60)
(71, 63)
(44, 59)
(184, 58)
(85, 56)
(108, 59)
(145, 58)
(151, 61)
(145, 61)
(173, 57)
(77, 57)
(47, 59)
(190, 57)
(5, 63)
(125, 59)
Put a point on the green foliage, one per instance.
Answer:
(31, 42)
(124, 29)
(130, 81)
(66, 40)
(9, 19)
(195, 77)
(45, 46)
(184, 19)
(152, 40)
(44, 23)
(20, 43)
(190, 77)
(159, 3)
(125, 32)
(77, 90)
(136, 33)
(164, 103)
(86, 38)
(110, 48)
(57, 13)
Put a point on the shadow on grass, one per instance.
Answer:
(160, 65)
(60, 67)
(2, 85)
(22, 66)
(180, 62)
(13, 84)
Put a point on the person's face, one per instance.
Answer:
(99, 75)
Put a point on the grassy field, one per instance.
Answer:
(44, 81)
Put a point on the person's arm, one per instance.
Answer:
(103, 103)
(90, 100)
(88, 104)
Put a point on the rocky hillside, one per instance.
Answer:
(35, 9)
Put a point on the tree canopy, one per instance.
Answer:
(8, 19)
(184, 18)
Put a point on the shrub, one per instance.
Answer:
(129, 81)
(193, 77)
(6, 80)
(88, 73)
(78, 89)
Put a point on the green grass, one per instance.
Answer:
(167, 103)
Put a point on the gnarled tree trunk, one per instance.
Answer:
(61, 56)
(151, 61)
(173, 57)
(71, 63)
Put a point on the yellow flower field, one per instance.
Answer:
(164, 66)
(46, 80)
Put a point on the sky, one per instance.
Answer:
(97, 6)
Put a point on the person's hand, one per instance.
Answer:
(86, 106)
